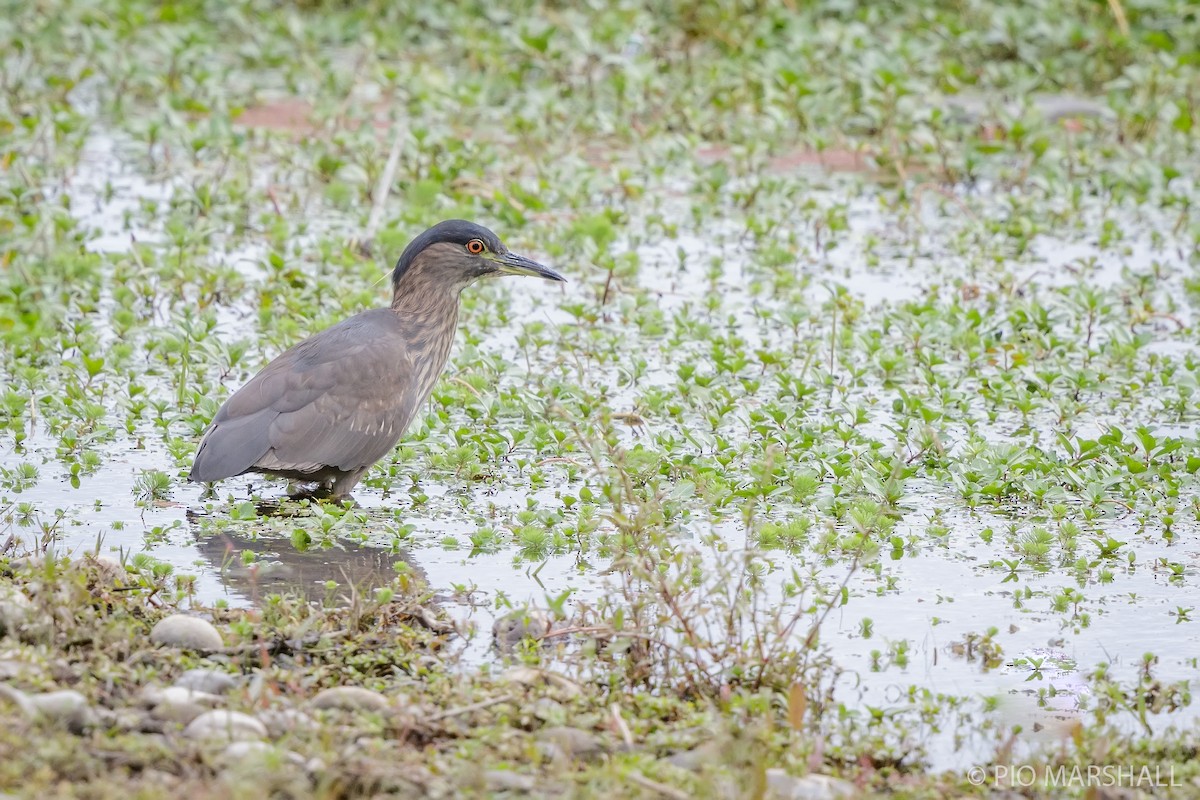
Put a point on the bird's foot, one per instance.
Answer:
(323, 494)
(279, 507)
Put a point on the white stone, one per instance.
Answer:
(211, 681)
(350, 698)
(222, 724)
(529, 676)
(18, 699)
(782, 786)
(176, 695)
(571, 743)
(192, 633)
(59, 705)
(15, 609)
(281, 721)
(106, 570)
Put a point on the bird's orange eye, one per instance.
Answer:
(475, 247)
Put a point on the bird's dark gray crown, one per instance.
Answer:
(455, 231)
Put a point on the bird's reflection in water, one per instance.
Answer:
(277, 567)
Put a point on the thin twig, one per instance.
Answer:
(274, 201)
(578, 629)
(607, 286)
(1119, 15)
(468, 386)
(661, 788)
(382, 190)
(619, 724)
(482, 704)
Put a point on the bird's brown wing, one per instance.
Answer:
(336, 400)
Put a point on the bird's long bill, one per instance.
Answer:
(513, 264)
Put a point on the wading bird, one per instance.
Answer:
(328, 408)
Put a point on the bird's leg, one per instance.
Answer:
(324, 495)
(274, 508)
(345, 483)
(301, 490)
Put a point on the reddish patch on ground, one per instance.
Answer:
(288, 114)
(833, 159)
(712, 154)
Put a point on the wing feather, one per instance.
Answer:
(339, 399)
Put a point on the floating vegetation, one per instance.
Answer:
(859, 453)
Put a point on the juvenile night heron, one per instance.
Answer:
(328, 408)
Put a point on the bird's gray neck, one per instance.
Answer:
(428, 311)
(421, 294)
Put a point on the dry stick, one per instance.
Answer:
(482, 704)
(607, 286)
(382, 189)
(468, 387)
(661, 788)
(608, 629)
(1171, 317)
(1119, 14)
(274, 200)
(672, 603)
(619, 722)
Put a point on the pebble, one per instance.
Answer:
(66, 707)
(503, 780)
(10, 669)
(562, 742)
(179, 713)
(350, 698)
(693, 760)
(125, 720)
(192, 633)
(105, 571)
(153, 696)
(18, 699)
(58, 705)
(528, 676)
(15, 609)
(282, 721)
(175, 705)
(550, 711)
(210, 681)
(782, 786)
(222, 724)
(512, 628)
(260, 688)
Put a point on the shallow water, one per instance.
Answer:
(940, 595)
